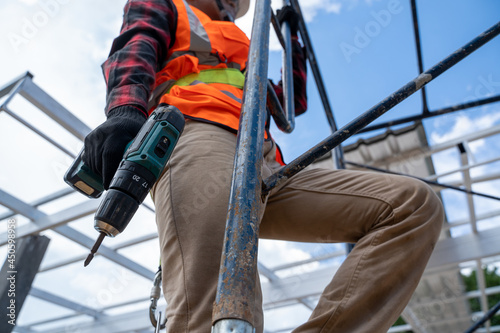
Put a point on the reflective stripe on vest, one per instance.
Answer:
(199, 40)
(229, 76)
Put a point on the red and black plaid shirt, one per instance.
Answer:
(139, 51)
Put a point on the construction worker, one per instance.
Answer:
(190, 54)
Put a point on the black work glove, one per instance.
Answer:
(289, 14)
(104, 146)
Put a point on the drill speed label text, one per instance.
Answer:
(138, 179)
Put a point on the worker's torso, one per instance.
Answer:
(202, 44)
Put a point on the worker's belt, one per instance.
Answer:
(231, 76)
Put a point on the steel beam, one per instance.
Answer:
(48, 198)
(25, 87)
(20, 207)
(7, 89)
(330, 255)
(481, 284)
(296, 287)
(17, 275)
(127, 322)
(103, 311)
(61, 301)
(466, 248)
(105, 251)
(53, 109)
(46, 222)
(36, 131)
(464, 160)
(81, 258)
(36, 215)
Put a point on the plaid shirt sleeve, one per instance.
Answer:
(299, 78)
(147, 32)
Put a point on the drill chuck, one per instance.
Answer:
(128, 189)
(115, 212)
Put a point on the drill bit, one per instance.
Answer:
(94, 249)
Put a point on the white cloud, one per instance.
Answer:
(465, 125)
(311, 8)
(334, 8)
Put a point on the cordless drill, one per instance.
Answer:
(142, 164)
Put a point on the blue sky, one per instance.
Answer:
(71, 38)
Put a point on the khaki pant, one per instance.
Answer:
(394, 221)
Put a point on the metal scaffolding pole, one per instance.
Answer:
(418, 46)
(434, 113)
(234, 303)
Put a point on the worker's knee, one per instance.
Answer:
(421, 206)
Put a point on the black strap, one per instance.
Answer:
(224, 14)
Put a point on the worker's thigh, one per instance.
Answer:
(191, 200)
(323, 205)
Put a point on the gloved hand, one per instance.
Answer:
(104, 146)
(289, 14)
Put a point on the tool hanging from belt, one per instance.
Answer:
(155, 296)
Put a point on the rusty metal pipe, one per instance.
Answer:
(238, 270)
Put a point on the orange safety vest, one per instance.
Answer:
(202, 75)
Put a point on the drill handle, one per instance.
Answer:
(81, 178)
